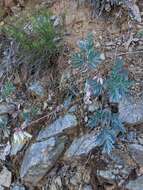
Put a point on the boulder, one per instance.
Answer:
(131, 111)
(17, 186)
(136, 152)
(15, 148)
(136, 184)
(37, 89)
(87, 187)
(119, 167)
(5, 177)
(81, 146)
(58, 127)
(39, 159)
(7, 108)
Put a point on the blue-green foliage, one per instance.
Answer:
(111, 126)
(86, 57)
(112, 89)
(96, 87)
(106, 139)
(8, 89)
(118, 83)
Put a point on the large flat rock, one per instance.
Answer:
(119, 167)
(81, 146)
(39, 158)
(5, 177)
(7, 108)
(136, 184)
(136, 152)
(131, 110)
(58, 127)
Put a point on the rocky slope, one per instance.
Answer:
(62, 155)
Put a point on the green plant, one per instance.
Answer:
(36, 35)
(107, 91)
(27, 115)
(139, 34)
(7, 90)
(87, 57)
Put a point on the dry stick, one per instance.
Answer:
(43, 118)
(133, 52)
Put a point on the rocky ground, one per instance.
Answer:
(58, 151)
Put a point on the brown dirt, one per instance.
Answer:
(114, 35)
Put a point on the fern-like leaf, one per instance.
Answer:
(118, 82)
(106, 139)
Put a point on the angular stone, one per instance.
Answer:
(58, 127)
(136, 184)
(131, 111)
(136, 151)
(1, 188)
(37, 89)
(81, 146)
(4, 150)
(140, 138)
(40, 158)
(87, 187)
(17, 186)
(119, 167)
(2, 70)
(107, 176)
(57, 21)
(16, 148)
(7, 108)
(5, 177)
(4, 131)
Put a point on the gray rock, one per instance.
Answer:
(4, 131)
(57, 21)
(37, 89)
(7, 108)
(58, 127)
(53, 187)
(94, 106)
(67, 104)
(53, 17)
(131, 111)
(81, 146)
(4, 150)
(140, 138)
(136, 184)
(132, 137)
(1, 188)
(136, 151)
(2, 70)
(107, 176)
(118, 168)
(40, 158)
(17, 186)
(5, 177)
(15, 148)
(87, 187)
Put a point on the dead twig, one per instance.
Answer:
(133, 52)
(45, 117)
